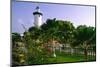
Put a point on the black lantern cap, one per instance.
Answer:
(34, 13)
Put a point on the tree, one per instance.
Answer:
(15, 38)
(18, 53)
(36, 54)
(84, 36)
(57, 30)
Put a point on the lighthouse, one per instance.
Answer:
(37, 17)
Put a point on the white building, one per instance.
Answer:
(37, 17)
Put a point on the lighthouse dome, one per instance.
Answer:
(37, 11)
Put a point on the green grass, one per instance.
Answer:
(64, 57)
(60, 59)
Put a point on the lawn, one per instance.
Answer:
(64, 57)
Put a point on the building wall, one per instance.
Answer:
(37, 20)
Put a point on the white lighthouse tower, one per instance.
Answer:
(37, 17)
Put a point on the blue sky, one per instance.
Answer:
(22, 13)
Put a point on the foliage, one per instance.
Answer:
(36, 54)
(36, 40)
(15, 38)
(84, 37)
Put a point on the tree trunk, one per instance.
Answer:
(85, 54)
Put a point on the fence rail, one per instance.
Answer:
(91, 52)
